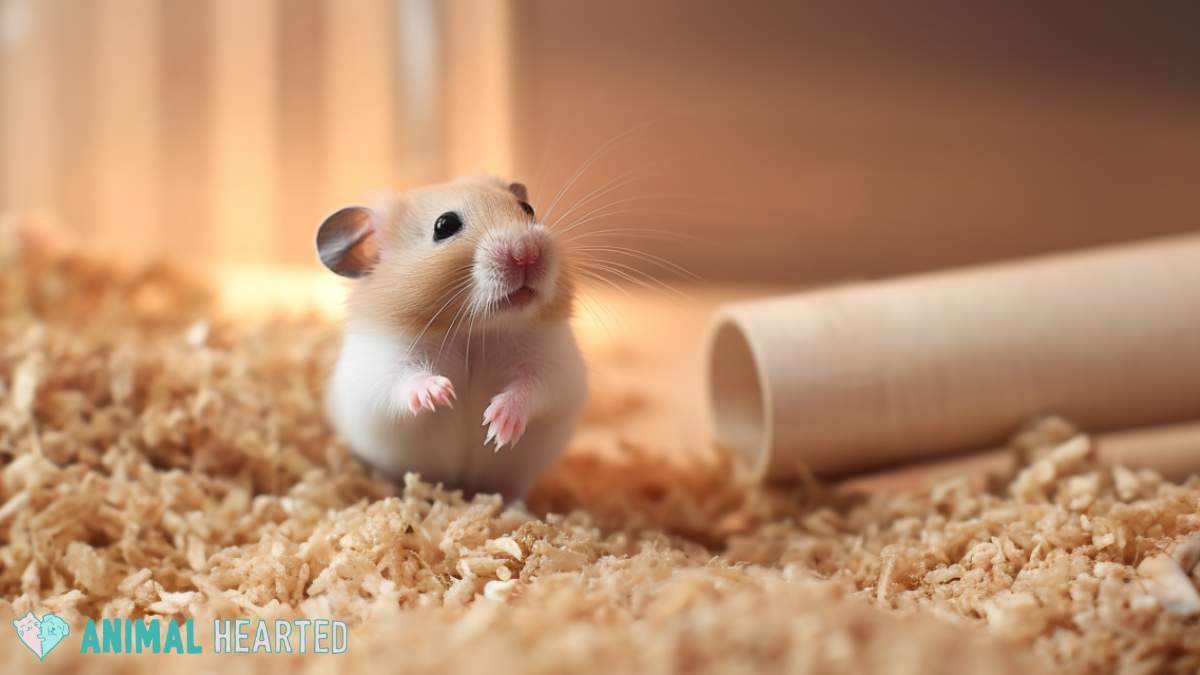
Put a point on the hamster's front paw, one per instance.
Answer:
(507, 415)
(427, 392)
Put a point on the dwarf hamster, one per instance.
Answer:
(457, 342)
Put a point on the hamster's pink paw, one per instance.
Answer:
(428, 392)
(506, 417)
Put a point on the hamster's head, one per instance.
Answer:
(466, 252)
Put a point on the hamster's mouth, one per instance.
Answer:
(518, 298)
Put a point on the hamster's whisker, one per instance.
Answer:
(632, 232)
(455, 289)
(596, 278)
(449, 330)
(588, 198)
(600, 275)
(637, 233)
(656, 260)
(632, 274)
(629, 278)
(473, 312)
(601, 208)
(599, 211)
(593, 307)
(591, 275)
(589, 218)
(626, 178)
(692, 216)
(454, 328)
(615, 184)
(462, 286)
(588, 163)
(551, 141)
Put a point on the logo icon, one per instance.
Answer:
(41, 635)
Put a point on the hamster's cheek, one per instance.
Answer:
(445, 275)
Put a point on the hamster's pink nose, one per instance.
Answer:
(524, 254)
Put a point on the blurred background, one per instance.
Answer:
(760, 141)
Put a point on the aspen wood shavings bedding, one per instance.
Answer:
(158, 460)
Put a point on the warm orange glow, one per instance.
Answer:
(245, 289)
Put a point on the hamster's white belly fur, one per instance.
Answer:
(448, 445)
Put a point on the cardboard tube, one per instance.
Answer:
(1172, 451)
(863, 376)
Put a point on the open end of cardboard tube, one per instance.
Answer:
(740, 399)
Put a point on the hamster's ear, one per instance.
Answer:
(347, 242)
(518, 190)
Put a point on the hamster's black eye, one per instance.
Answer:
(447, 225)
(527, 209)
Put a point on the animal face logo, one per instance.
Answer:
(41, 635)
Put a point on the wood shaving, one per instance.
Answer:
(1170, 584)
(157, 459)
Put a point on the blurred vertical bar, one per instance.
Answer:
(26, 106)
(225, 129)
(243, 168)
(478, 101)
(419, 132)
(184, 151)
(128, 124)
(300, 90)
(74, 119)
(360, 101)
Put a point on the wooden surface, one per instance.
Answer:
(822, 140)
